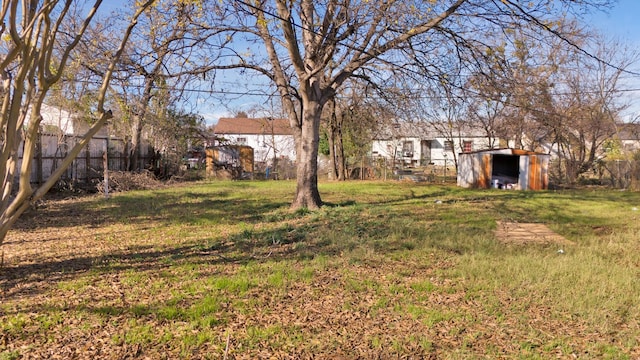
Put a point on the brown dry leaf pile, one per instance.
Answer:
(120, 181)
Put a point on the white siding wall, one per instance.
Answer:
(385, 148)
(263, 145)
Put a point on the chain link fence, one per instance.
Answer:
(381, 168)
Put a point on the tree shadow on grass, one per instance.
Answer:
(276, 244)
(139, 208)
(300, 235)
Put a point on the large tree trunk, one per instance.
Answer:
(307, 194)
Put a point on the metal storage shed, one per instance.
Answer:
(504, 168)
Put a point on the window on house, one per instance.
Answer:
(407, 149)
(467, 146)
(391, 150)
(448, 145)
(241, 140)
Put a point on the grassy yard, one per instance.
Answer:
(385, 270)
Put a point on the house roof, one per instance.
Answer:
(629, 131)
(404, 129)
(250, 126)
(423, 130)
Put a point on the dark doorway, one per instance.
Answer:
(425, 152)
(505, 170)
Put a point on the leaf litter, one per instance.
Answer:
(75, 287)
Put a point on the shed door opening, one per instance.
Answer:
(506, 171)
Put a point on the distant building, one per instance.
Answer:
(268, 137)
(629, 135)
(421, 144)
(57, 120)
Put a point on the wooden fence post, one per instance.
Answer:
(105, 167)
(39, 159)
(87, 161)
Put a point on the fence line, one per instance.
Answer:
(51, 149)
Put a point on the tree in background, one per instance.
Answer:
(489, 108)
(350, 121)
(171, 51)
(446, 109)
(312, 48)
(549, 93)
(36, 48)
(173, 135)
(332, 141)
(588, 106)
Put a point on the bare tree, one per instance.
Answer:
(169, 51)
(446, 109)
(312, 48)
(547, 96)
(334, 124)
(37, 51)
(489, 108)
(587, 106)
(351, 120)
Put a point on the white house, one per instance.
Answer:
(55, 117)
(629, 135)
(269, 138)
(421, 143)
(62, 122)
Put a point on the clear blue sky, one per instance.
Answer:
(621, 22)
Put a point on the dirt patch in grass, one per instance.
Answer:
(528, 233)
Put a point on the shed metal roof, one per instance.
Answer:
(505, 151)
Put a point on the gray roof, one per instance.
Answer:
(423, 130)
(629, 131)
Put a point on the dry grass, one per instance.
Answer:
(386, 270)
